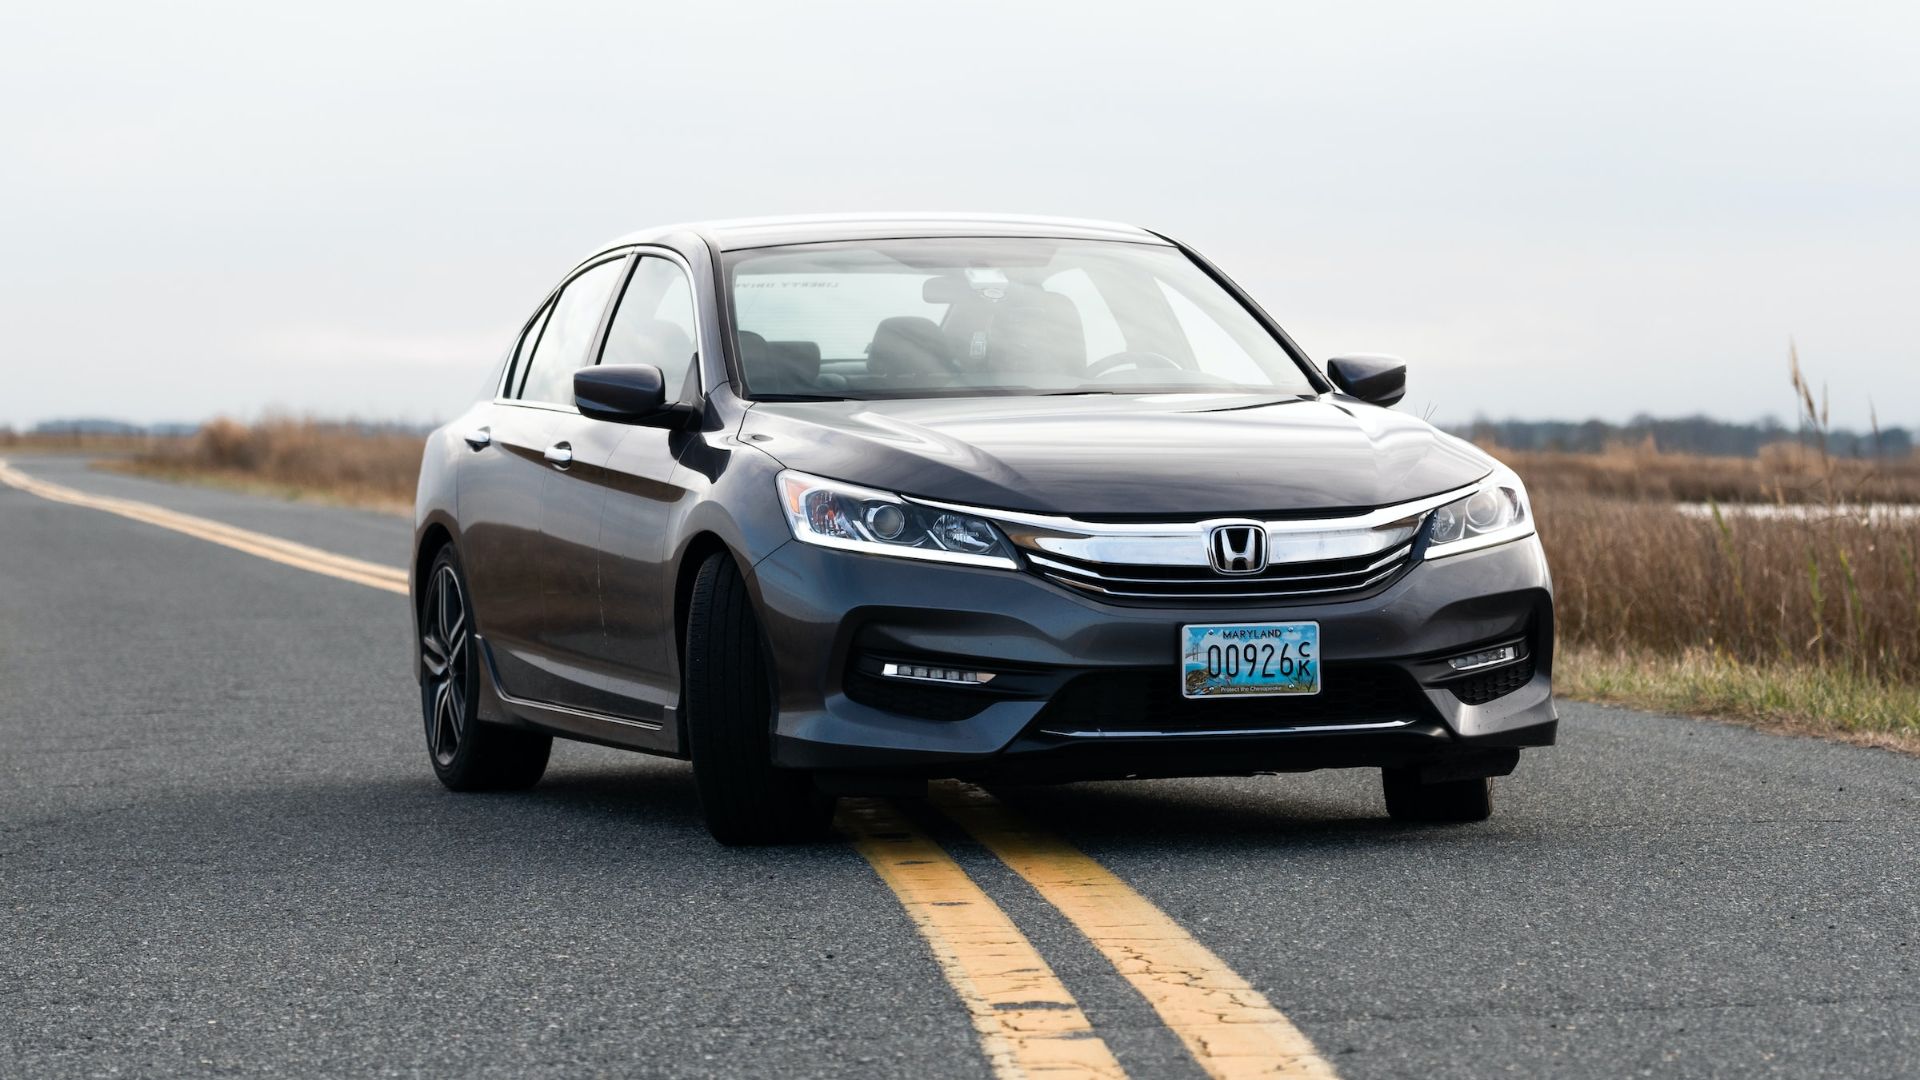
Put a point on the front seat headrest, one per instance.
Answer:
(779, 367)
(908, 345)
(1038, 331)
(801, 359)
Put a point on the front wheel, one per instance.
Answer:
(467, 755)
(730, 709)
(1449, 800)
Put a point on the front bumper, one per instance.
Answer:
(832, 617)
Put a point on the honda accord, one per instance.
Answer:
(834, 505)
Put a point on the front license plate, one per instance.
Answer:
(1250, 659)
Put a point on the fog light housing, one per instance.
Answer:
(1485, 658)
(935, 674)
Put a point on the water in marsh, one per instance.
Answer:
(1866, 513)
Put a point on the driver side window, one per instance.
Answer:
(654, 324)
(568, 334)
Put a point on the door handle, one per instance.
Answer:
(560, 454)
(479, 438)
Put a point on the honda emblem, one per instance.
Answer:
(1238, 549)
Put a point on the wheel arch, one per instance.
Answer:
(701, 547)
(432, 539)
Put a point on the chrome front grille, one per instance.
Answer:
(1337, 557)
(1321, 579)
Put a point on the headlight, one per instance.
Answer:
(1496, 513)
(837, 515)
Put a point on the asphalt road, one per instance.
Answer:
(222, 853)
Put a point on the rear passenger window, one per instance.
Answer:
(523, 351)
(568, 334)
(654, 323)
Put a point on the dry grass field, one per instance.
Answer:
(1782, 589)
(1805, 616)
(74, 442)
(1838, 590)
(294, 458)
(1808, 619)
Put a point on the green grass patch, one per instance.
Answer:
(1803, 699)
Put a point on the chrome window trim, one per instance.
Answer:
(693, 295)
(543, 406)
(512, 360)
(633, 255)
(501, 396)
(1185, 543)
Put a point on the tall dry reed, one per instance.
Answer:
(1837, 590)
(342, 461)
(1824, 579)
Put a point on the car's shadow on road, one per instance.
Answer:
(1269, 814)
(646, 812)
(658, 800)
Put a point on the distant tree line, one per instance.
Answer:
(101, 426)
(104, 426)
(1682, 435)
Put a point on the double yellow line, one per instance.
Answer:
(285, 552)
(1029, 1023)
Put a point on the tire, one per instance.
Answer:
(1449, 800)
(730, 710)
(466, 753)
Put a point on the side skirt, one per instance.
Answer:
(626, 733)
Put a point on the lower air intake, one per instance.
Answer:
(1148, 701)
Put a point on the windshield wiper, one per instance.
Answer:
(800, 397)
(1162, 388)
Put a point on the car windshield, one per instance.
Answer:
(973, 316)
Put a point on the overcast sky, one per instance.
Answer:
(1549, 210)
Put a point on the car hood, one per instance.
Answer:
(1122, 456)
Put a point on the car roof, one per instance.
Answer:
(824, 228)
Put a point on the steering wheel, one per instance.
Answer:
(1131, 358)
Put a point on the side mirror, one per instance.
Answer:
(1380, 380)
(626, 394)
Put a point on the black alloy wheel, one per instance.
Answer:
(467, 754)
(444, 653)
